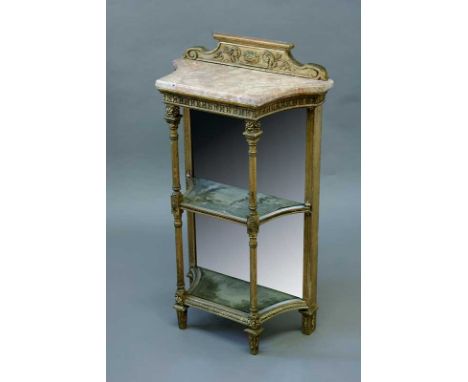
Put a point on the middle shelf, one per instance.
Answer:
(232, 203)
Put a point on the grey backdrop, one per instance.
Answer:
(144, 343)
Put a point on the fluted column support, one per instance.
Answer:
(252, 134)
(172, 117)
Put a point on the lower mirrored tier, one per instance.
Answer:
(229, 297)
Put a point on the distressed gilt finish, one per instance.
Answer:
(240, 111)
(257, 54)
(267, 65)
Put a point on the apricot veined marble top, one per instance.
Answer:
(232, 84)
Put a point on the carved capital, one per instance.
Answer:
(252, 134)
(172, 116)
(252, 131)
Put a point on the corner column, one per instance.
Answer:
(173, 118)
(311, 218)
(252, 134)
(189, 173)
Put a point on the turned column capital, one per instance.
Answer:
(252, 132)
(172, 116)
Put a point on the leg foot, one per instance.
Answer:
(254, 339)
(309, 322)
(253, 343)
(181, 316)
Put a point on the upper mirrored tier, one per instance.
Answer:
(232, 203)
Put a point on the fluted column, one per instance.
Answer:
(252, 134)
(173, 118)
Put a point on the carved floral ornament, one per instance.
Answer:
(277, 60)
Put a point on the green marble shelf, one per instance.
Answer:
(230, 297)
(231, 203)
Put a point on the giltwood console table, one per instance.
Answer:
(246, 78)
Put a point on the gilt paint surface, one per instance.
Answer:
(259, 54)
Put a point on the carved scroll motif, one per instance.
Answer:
(276, 60)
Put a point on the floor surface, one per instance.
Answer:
(145, 344)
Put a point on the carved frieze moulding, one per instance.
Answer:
(268, 56)
(242, 111)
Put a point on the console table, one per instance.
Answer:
(246, 78)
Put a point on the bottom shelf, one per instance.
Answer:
(229, 297)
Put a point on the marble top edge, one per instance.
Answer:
(224, 83)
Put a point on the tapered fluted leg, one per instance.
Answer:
(254, 339)
(173, 118)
